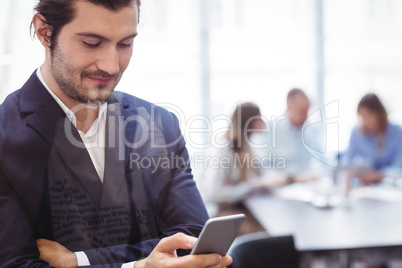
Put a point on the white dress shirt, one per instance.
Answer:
(94, 138)
(94, 141)
(288, 147)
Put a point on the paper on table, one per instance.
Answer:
(296, 191)
(387, 194)
(306, 192)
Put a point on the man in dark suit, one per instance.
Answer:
(89, 176)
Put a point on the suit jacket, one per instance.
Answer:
(50, 189)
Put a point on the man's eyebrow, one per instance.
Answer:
(88, 34)
(130, 36)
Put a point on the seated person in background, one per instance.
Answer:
(375, 142)
(237, 175)
(287, 138)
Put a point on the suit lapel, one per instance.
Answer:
(49, 120)
(116, 194)
(114, 182)
(71, 149)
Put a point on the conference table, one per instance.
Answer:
(365, 223)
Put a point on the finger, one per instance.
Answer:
(226, 261)
(198, 261)
(176, 241)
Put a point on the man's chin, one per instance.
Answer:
(100, 96)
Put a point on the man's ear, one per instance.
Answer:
(42, 29)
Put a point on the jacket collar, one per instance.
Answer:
(49, 120)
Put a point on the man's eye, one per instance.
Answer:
(127, 44)
(91, 45)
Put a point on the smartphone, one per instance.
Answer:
(218, 234)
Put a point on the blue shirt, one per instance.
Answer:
(364, 149)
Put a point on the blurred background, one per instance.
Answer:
(199, 58)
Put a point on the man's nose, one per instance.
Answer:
(109, 61)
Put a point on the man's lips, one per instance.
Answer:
(100, 80)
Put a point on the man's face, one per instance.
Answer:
(93, 51)
(297, 110)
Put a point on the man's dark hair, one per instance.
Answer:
(293, 93)
(60, 12)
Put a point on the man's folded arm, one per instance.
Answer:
(18, 247)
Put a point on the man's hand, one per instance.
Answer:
(371, 176)
(164, 255)
(55, 254)
(306, 176)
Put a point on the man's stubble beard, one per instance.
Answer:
(71, 84)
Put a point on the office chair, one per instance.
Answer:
(259, 250)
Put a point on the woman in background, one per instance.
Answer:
(237, 175)
(375, 142)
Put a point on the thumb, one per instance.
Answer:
(176, 241)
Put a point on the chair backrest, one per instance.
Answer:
(260, 250)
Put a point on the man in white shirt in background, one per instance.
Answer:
(288, 140)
